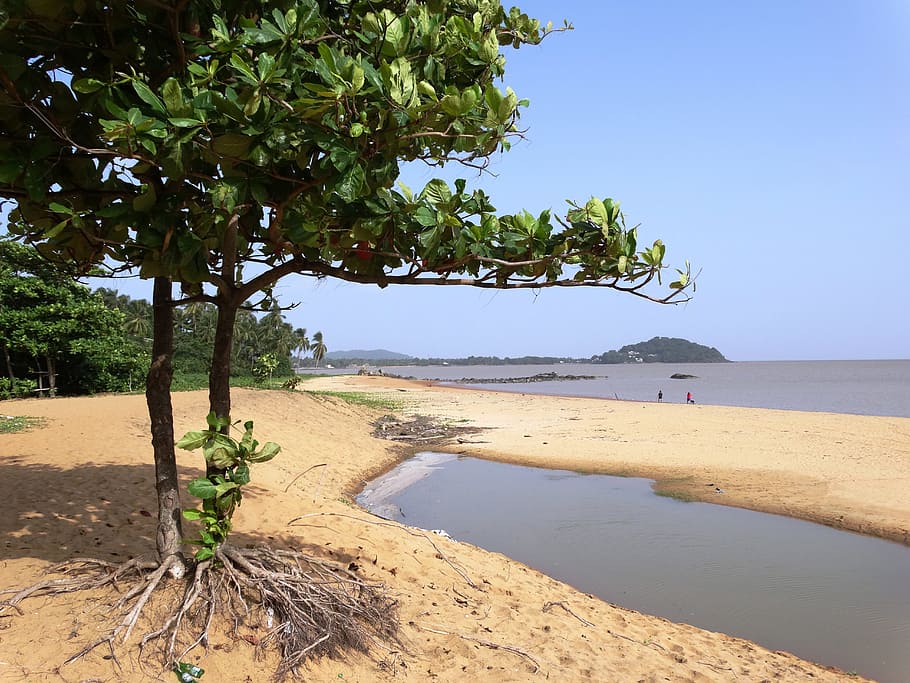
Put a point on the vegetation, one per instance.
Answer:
(264, 346)
(370, 400)
(662, 350)
(224, 144)
(18, 423)
(222, 494)
(56, 330)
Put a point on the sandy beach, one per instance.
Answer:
(82, 484)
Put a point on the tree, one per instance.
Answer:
(202, 140)
(301, 345)
(53, 326)
(138, 323)
(318, 348)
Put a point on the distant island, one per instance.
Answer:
(372, 354)
(662, 350)
(656, 350)
(354, 358)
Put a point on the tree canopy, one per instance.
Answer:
(225, 144)
(192, 139)
(53, 327)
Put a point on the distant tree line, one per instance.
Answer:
(58, 336)
(268, 337)
(656, 350)
(340, 362)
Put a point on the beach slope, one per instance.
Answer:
(82, 484)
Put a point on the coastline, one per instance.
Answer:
(84, 485)
(849, 472)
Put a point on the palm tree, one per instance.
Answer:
(246, 338)
(138, 319)
(318, 348)
(275, 334)
(301, 344)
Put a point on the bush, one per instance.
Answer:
(20, 388)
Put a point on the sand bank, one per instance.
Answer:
(847, 471)
(83, 485)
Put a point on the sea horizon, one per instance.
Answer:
(861, 387)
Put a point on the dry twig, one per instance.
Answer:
(486, 643)
(560, 603)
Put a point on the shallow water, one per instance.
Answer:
(869, 387)
(829, 596)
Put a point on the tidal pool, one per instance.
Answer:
(829, 596)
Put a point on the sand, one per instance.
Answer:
(83, 485)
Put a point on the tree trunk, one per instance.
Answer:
(220, 374)
(158, 398)
(9, 367)
(51, 376)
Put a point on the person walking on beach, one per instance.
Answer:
(689, 397)
(660, 395)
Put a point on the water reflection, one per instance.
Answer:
(830, 596)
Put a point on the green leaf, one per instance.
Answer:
(173, 98)
(232, 145)
(426, 217)
(426, 89)
(215, 422)
(437, 191)
(351, 185)
(252, 104)
(224, 488)
(192, 514)
(597, 213)
(269, 451)
(406, 191)
(204, 554)
(451, 104)
(193, 440)
(244, 69)
(184, 123)
(202, 488)
(358, 76)
(88, 85)
(242, 474)
(401, 81)
(146, 201)
(146, 95)
(222, 457)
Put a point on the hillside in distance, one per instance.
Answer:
(656, 350)
(372, 354)
(662, 350)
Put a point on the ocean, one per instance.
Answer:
(864, 387)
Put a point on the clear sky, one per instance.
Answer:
(767, 142)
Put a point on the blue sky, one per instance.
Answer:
(767, 142)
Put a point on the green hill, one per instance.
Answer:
(360, 354)
(662, 350)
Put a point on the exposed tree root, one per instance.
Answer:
(306, 607)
